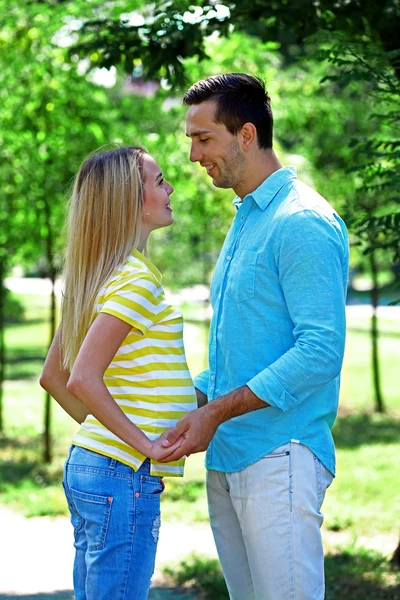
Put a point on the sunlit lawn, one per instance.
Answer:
(362, 503)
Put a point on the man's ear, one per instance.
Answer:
(248, 136)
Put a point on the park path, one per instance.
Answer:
(36, 557)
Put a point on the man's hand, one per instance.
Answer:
(160, 453)
(197, 429)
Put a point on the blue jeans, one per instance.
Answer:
(115, 513)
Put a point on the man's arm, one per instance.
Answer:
(311, 260)
(198, 427)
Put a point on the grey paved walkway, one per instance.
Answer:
(36, 557)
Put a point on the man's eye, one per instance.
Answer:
(204, 139)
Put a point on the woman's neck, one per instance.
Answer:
(144, 236)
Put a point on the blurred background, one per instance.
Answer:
(76, 76)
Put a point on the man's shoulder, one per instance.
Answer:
(302, 197)
(302, 203)
(304, 214)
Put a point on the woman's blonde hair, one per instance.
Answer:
(103, 229)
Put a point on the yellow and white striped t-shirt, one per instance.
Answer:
(148, 377)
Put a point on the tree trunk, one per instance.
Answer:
(378, 398)
(2, 343)
(47, 454)
(47, 410)
(396, 558)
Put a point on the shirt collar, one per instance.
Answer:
(148, 264)
(268, 189)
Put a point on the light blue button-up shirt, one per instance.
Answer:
(278, 297)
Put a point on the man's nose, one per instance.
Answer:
(195, 155)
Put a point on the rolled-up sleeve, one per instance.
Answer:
(312, 261)
(201, 381)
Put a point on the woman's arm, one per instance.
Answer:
(99, 347)
(54, 380)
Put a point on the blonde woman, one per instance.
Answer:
(117, 366)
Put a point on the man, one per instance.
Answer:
(275, 352)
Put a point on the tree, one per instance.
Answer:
(165, 33)
(376, 203)
(52, 118)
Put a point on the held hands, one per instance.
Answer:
(161, 453)
(194, 433)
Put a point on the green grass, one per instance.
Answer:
(366, 487)
(201, 573)
(361, 503)
(356, 383)
(351, 574)
(184, 500)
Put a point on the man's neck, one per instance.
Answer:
(258, 171)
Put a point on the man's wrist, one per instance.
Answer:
(234, 404)
(217, 410)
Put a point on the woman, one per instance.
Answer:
(117, 366)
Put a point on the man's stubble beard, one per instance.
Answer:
(233, 174)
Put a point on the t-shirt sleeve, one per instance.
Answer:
(137, 302)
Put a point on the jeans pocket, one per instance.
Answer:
(323, 480)
(278, 452)
(75, 518)
(151, 487)
(95, 511)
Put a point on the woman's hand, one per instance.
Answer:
(159, 452)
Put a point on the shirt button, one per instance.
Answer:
(212, 377)
(241, 218)
(228, 257)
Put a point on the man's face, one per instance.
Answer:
(214, 147)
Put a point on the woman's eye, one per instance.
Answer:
(161, 181)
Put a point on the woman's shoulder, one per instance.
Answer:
(132, 271)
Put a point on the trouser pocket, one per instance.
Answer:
(95, 510)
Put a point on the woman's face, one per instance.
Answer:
(157, 211)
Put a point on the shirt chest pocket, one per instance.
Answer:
(241, 276)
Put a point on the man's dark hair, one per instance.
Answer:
(240, 99)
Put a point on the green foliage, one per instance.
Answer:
(189, 491)
(351, 573)
(359, 574)
(359, 41)
(165, 33)
(185, 500)
(14, 310)
(45, 111)
(54, 114)
(200, 572)
(378, 164)
(26, 483)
